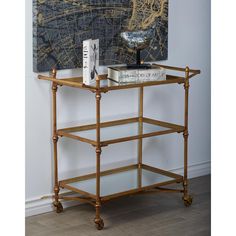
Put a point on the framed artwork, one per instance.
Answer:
(60, 26)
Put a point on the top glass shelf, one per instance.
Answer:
(77, 82)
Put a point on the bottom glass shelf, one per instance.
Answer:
(121, 181)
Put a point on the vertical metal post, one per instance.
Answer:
(98, 221)
(186, 134)
(56, 203)
(140, 141)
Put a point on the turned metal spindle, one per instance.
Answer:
(57, 204)
(187, 198)
(98, 221)
(140, 141)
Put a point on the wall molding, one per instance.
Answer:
(39, 205)
(195, 170)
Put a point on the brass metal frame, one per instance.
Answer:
(170, 128)
(175, 177)
(95, 199)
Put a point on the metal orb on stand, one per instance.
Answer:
(138, 40)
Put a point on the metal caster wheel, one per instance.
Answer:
(188, 201)
(99, 224)
(58, 207)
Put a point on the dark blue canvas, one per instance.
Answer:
(60, 26)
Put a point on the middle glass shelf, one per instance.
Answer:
(120, 130)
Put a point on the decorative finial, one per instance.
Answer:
(97, 78)
(54, 72)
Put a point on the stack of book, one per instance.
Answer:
(121, 75)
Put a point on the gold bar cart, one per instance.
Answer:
(96, 188)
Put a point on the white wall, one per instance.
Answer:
(189, 44)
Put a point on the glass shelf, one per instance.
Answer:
(121, 130)
(121, 181)
(77, 82)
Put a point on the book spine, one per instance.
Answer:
(113, 74)
(90, 60)
(152, 75)
(86, 61)
(123, 76)
(136, 76)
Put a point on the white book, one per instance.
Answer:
(121, 74)
(90, 60)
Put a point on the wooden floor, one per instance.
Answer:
(141, 215)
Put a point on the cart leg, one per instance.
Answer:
(57, 204)
(186, 198)
(140, 141)
(98, 220)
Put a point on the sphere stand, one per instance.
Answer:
(138, 64)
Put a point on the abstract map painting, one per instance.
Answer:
(60, 26)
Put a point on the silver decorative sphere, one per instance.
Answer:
(138, 39)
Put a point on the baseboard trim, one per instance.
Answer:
(195, 170)
(38, 205)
